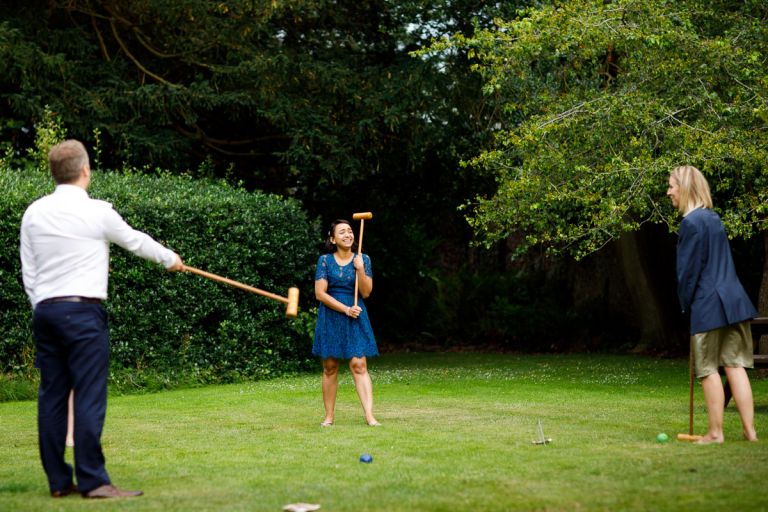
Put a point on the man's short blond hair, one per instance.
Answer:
(67, 160)
(693, 187)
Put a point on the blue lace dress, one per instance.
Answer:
(337, 335)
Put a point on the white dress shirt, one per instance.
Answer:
(65, 239)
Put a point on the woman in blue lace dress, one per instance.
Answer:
(343, 330)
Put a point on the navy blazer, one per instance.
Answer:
(707, 284)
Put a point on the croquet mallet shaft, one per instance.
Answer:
(293, 293)
(690, 388)
(690, 436)
(361, 217)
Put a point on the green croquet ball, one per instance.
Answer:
(662, 438)
(366, 458)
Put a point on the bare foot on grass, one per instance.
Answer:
(750, 435)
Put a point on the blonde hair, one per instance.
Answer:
(693, 187)
(67, 159)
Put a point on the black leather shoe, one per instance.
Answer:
(64, 492)
(110, 491)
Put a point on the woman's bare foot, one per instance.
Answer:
(750, 435)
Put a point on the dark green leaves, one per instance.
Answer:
(603, 99)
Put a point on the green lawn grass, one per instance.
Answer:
(456, 437)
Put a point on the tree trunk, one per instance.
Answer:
(641, 290)
(762, 299)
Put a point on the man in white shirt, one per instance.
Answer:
(65, 239)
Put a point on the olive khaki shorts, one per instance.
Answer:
(729, 346)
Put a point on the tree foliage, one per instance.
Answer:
(314, 99)
(602, 99)
(292, 94)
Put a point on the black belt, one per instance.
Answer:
(72, 298)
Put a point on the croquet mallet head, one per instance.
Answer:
(293, 302)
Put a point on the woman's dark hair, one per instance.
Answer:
(330, 247)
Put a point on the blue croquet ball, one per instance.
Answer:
(366, 458)
(662, 438)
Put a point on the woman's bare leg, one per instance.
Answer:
(742, 395)
(330, 388)
(364, 387)
(71, 419)
(714, 395)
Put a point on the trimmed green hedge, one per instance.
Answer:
(176, 325)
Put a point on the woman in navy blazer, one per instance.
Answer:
(708, 288)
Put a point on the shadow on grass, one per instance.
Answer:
(15, 488)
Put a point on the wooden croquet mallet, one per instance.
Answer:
(361, 217)
(293, 293)
(690, 436)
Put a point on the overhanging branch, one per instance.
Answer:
(199, 135)
(135, 60)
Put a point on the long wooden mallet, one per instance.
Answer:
(293, 293)
(690, 435)
(361, 217)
